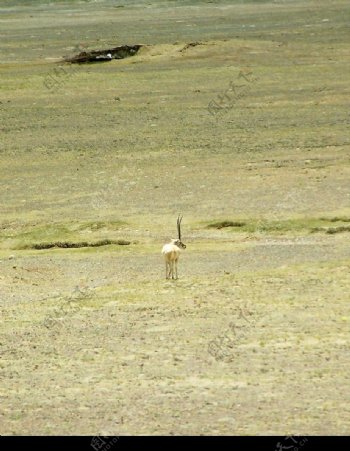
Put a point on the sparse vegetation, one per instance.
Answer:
(301, 226)
(69, 245)
(104, 151)
(336, 219)
(332, 230)
(223, 224)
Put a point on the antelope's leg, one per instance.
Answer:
(172, 269)
(176, 269)
(167, 270)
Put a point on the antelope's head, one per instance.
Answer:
(178, 242)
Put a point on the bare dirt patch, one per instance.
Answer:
(96, 56)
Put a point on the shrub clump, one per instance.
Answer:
(223, 224)
(71, 245)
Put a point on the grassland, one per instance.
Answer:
(94, 340)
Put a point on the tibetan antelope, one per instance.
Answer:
(171, 252)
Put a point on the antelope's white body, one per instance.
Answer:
(171, 252)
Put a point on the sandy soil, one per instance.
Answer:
(253, 338)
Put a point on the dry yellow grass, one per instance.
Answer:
(94, 340)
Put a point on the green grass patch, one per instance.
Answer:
(68, 235)
(283, 226)
(331, 230)
(336, 219)
(100, 225)
(72, 245)
(223, 224)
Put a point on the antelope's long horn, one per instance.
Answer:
(179, 219)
